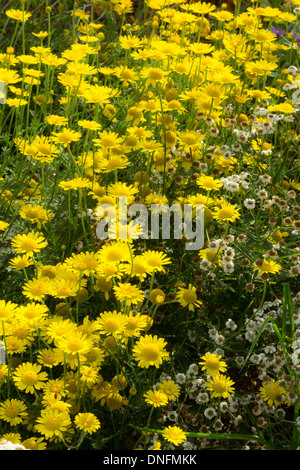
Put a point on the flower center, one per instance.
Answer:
(114, 163)
(225, 213)
(56, 388)
(65, 291)
(212, 363)
(189, 139)
(190, 296)
(75, 345)
(90, 264)
(173, 435)
(20, 332)
(168, 389)
(44, 149)
(150, 352)
(132, 324)
(12, 411)
(131, 141)
(155, 74)
(113, 256)
(108, 141)
(61, 331)
(220, 386)
(53, 423)
(266, 267)
(273, 391)
(39, 289)
(28, 245)
(30, 378)
(110, 325)
(109, 270)
(30, 313)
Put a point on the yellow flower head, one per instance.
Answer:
(220, 386)
(212, 364)
(150, 351)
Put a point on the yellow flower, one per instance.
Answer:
(89, 375)
(114, 252)
(53, 423)
(29, 243)
(13, 411)
(16, 102)
(223, 15)
(41, 34)
(63, 288)
(18, 15)
(214, 257)
(156, 398)
(34, 443)
(36, 289)
(56, 120)
(36, 214)
(135, 323)
(110, 271)
(190, 139)
(285, 108)
(125, 74)
(226, 213)
(15, 345)
(28, 377)
(170, 388)
(75, 183)
(114, 401)
(83, 263)
(263, 36)
(90, 125)
(155, 261)
(188, 297)
(9, 76)
(201, 8)
(74, 343)
(212, 364)
(174, 434)
(156, 445)
(3, 225)
(267, 266)
(201, 48)
(295, 185)
(87, 422)
(153, 75)
(150, 351)
(271, 391)
(209, 183)
(81, 68)
(157, 296)
(120, 189)
(58, 328)
(47, 358)
(128, 293)
(66, 136)
(111, 323)
(220, 386)
(130, 42)
(32, 314)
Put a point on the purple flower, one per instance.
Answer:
(278, 32)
